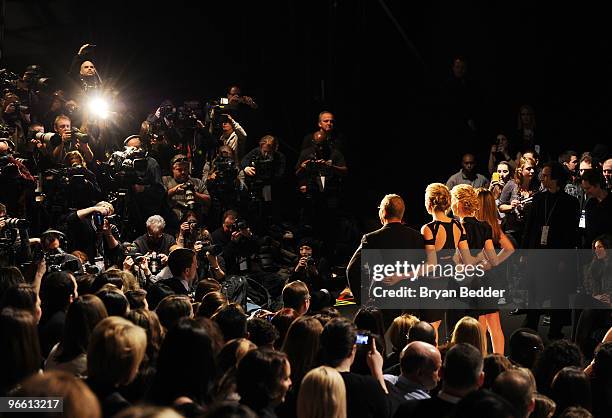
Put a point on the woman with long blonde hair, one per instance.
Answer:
(468, 330)
(322, 394)
(487, 212)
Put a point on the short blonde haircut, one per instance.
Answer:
(466, 195)
(398, 330)
(322, 394)
(437, 197)
(115, 351)
(392, 206)
(468, 330)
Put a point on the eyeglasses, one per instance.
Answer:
(607, 170)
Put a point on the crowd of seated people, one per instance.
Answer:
(154, 275)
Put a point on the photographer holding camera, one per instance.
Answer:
(309, 269)
(233, 135)
(320, 170)
(14, 240)
(15, 117)
(83, 71)
(90, 231)
(264, 166)
(69, 139)
(237, 242)
(185, 193)
(192, 236)
(155, 243)
(15, 179)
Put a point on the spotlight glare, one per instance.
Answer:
(99, 107)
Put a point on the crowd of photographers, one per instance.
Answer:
(134, 262)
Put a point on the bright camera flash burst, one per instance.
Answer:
(99, 107)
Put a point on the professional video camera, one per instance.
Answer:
(67, 187)
(215, 114)
(58, 262)
(128, 166)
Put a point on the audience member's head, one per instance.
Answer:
(186, 364)
(575, 412)
(282, 320)
(149, 321)
(210, 303)
(296, 296)
(398, 331)
(322, 394)
(422, 331)
(468, 330)
(146, 411)
(338, 341)
(230, 410)
(22, 296)
(494, 365)
(9, 276)
(484, 404)
(420, 363)
(115, 301)
(82, 317)
(302, 346)
(602, 363)
(525, 345)
(462, 370)
(232, 352)
(78, 400)
(172, 308)
(262, 333)
(57, 291)
(137, 299)
(571, 387)
(19, 347)
(516, 387)
(369, 318)
(544, 407)
(116, 349)
(556, 356)
(263, 378)
(204, 287)
(232, 321)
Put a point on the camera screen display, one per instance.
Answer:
(362, 339)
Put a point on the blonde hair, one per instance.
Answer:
(322, 394)
(466, 195)
(392, 206)
(115, 351)
(76, 154)
(468, 330)
(398, 330)
(437, 197)
(518, 173)
(128, 280)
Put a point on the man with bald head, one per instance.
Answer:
(419, 363)
(393, 235)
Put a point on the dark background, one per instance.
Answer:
(297, 58)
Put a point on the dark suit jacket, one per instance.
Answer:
(390, 237)
(426, 408)
(176, 285)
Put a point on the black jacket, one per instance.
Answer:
(393, 236)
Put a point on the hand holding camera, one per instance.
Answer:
(250, 171)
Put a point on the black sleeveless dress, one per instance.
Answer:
(432, 315)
